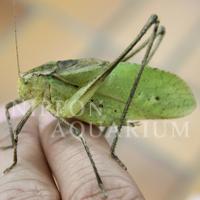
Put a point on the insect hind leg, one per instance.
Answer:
(148, 54)
(159, 36)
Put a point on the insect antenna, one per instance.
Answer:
(16, 37)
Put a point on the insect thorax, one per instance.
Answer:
(32, 88)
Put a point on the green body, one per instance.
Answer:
(160, 94)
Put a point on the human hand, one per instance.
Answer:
(43, 156)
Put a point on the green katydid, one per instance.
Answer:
(123, 90)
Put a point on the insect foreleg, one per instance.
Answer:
(132, 93)
(16, 134)
(8, 119)
(159, 36)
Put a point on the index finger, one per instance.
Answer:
(73, 171)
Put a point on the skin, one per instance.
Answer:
(40, 155)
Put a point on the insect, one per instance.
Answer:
(123, 90)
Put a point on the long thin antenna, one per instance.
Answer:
(16, 36)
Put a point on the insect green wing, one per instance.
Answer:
(160, 94)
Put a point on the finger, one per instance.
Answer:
(73, 171)
(30, 178)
